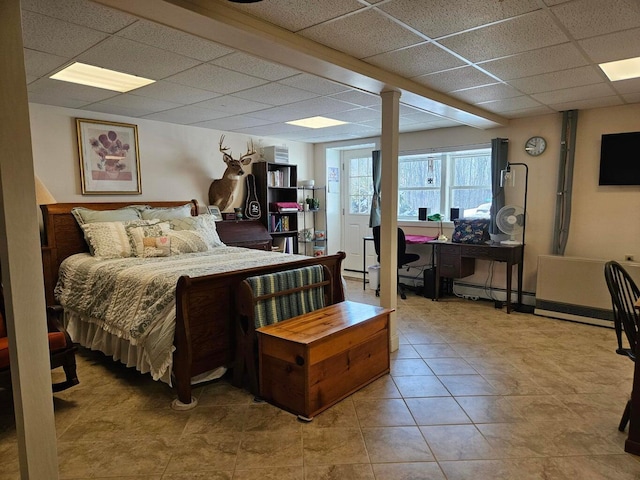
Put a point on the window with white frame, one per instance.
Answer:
(443, 180)
(436, 180)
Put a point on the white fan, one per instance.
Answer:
(510, 220)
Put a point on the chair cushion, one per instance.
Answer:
(4, 352)
(57, 341)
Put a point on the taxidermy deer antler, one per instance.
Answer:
(222, 190)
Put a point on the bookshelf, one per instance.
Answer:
(278, 197)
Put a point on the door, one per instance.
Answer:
(357, 192)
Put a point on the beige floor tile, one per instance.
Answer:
(408, 471)
(409, 366)
(210, 475)
(490, 409)
(271, 473)
(437, 411)
(450, 366)
(341, 415)
(339, 472)
(421, 386)
(396, 444)
(435, 350)
(384, 387)
(198, 453)
(457, 442)
(467, 385)
(334, 446)
(383, 412)
(270, 449)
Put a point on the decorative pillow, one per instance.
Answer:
(86, 215)
(139, 233)
(475, 231)
(156, 246)
(204, 224)
(166, 213)
(187, 241)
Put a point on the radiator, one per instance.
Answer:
(574, 288)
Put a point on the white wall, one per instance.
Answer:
(177, 162)
(604, 222)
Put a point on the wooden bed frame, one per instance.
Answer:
(205, 306)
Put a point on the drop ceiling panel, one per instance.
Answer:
(497, 91)
(275, 94)
(456, 79)
(356, 97)
(54, 36)
(547, 82)
(250, 65)
(521, 34)
(80, 12)
(359, 34)
(232, 123)
(588, 18)
(528, 112)
(291, 15)
(627, 86)
(132, 57)
(186, 115)
(141, 104)
(543, 60)
(574, 94)
(58, 101)
(172, 92)
(633, 98)
(357, 115)
(233, 105)
(432, 59)
(66, 90)
(443, 17)
(615, 46)
(583, 104)
(304, 109)
(314, 84)
(510, 104)
(215, 79)
(40, 64)
(174, 41)
(272, 130)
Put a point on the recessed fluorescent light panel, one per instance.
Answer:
(622, 69)
(100, 77)
(316, 122)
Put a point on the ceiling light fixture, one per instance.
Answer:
(622, 69)
(100, 77)
(316, 122)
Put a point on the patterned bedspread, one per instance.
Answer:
(134, 298)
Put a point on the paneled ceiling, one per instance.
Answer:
(513, 58)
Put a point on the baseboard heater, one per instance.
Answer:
(574, 288)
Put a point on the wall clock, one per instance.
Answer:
(535, 146)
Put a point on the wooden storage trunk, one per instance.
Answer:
(311, 362)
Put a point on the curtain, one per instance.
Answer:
(374, 216)
(499, 155)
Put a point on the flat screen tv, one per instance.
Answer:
(620, 159)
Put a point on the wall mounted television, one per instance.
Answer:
(620, 159)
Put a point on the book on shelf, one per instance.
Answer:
(279, 178)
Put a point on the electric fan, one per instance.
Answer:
(510, 220)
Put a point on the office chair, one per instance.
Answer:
(403, 257)
(624, 294)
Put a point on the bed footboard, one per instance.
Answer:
(205, 312)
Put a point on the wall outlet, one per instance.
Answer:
(628, 257)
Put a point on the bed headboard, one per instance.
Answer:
(63, 235)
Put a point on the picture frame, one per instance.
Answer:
(214, 211)
(109, 157)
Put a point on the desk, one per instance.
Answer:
(409, 240)
(457, 260)
(632, 444)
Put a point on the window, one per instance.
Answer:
(442, 180)
(437, 180)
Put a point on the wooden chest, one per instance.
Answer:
(311, 362)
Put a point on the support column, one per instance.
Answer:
(389, 210)
(21, 262)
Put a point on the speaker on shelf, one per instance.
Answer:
(454, 214)
(422, 213)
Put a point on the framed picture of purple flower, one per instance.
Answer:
(109, 158)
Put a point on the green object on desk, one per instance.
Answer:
(436, 217)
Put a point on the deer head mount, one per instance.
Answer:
(222, 190)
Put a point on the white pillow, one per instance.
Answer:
(187, 241)
(166, 213)
(110, 239)
(86, 215)
(204, 224)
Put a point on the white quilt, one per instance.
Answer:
(133, 299)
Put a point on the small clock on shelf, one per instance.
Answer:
(535, 146)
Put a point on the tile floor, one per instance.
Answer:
(473, 393)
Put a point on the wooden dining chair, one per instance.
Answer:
(624, 294)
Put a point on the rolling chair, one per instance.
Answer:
(624, 294)
(403, 257)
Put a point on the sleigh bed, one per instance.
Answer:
(199, 318)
